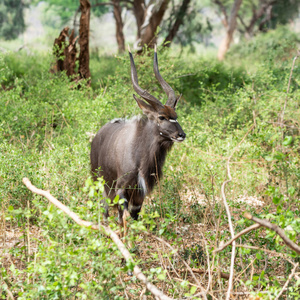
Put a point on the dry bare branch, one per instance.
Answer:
(282, 255)
(287, 282)
(229, 214)
(275, 228)
(203, 293)
(199, 271)
(137, 271)
(224, 12)
(9, 294)
(255, 226)
(288, 88)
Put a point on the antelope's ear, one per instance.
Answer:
(176, 101)
(146, 108)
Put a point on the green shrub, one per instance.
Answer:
(46, 123)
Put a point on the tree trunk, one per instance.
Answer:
(65, 52)
(225, 44)
(139, 13)
(179, 21)
(151, 23)
(84, 30)
(119, 26)
(257, 13)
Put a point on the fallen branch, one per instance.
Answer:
(275, 228)
(255, 226)
(9, 293)
(230, 282)
(184, 262)
(199, 271)
(278, 254)
(287, 282)
(137, 271)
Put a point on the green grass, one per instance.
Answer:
(45, 126)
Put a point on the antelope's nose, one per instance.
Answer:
(182, 135)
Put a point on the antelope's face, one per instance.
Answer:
(168, 125)
(164, 115)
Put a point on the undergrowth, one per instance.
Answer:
(46, 124)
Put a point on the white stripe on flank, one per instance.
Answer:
(142, 184)
(135, 207)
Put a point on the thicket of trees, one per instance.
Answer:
(181, 19)
(12, 18)
(223, 222)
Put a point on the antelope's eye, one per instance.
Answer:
(162, 118)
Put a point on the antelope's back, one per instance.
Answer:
(103, 150)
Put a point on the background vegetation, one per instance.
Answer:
(46, 126)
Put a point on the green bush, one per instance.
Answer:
(46, 123)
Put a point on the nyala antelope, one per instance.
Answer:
(130, 154)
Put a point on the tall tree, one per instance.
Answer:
(148, 18)
(260, 12)
(12, 18)
(119, 25)
(84, 32)
(261, 15)
(178, 22)
(230, 23)
(66, 44)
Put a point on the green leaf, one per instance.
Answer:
(161, 276)
(268, 158)
(193, 290)
(116, 200)
(291, 190)
(276, 200)
(258, 255)
(287, 140)
(92, 192)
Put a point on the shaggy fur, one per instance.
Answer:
(125, 151)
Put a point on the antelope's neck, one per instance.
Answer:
(153, 154)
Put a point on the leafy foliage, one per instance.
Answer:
(45, 128)
(66, 10)
(12, 18)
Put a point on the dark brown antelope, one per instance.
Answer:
(130, 154)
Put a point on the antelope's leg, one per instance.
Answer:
(134, 211)
(123, 210)
(105, 205)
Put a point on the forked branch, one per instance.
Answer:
(137, 271)
(250, 228)
(275, 228)
(288, 88)
(230, 282)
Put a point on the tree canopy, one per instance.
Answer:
(12, 18)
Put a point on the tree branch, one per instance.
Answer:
(287, 282)
(184, 262)
(224, 12)
(178, 22)
(137, 271)
(229, 215)
(255, 226)
(275, 228)
(102, 4)
(288, 88)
